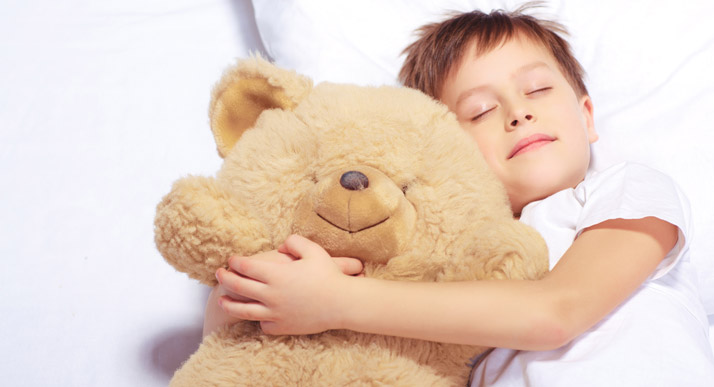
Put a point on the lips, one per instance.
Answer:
(530, 143)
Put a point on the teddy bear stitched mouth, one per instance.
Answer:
(350, 231)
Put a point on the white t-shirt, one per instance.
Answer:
(658, 336)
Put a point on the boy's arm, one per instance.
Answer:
(604, 265)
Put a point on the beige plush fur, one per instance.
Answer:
(432, 211)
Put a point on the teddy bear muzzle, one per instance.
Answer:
(358, 212)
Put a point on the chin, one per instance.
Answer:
(537, 186)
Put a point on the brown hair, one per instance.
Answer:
(441, 46)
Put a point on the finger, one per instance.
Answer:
(284, 250)
(274, 327)
(234, 260)
(302, 247)
(256, 269)
(271, 255)
(271, 328)
(253, 311)
(222, 291)
(349, 266)
(268, 328)
(241, 286)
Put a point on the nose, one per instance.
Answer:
(354, 181)
(520, 119)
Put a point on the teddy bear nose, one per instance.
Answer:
(354, 181)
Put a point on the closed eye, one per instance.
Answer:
(482, 115)
(539, 91)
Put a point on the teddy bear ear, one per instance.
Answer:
(245, 91)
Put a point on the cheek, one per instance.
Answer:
(579, 152)
(492, 159)
(488, 144)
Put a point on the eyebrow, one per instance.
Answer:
(529, 67)
(523, 69)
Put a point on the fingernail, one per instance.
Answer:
(218, 277)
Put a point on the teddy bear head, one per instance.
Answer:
(384, 174)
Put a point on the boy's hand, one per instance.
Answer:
(292, 290)
(227, 278)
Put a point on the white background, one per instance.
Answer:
(102, 106)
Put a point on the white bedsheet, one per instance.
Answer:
(102, 106)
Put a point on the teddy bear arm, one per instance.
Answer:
(198, 227)
(506, 250)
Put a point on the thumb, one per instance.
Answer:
(349, 266)
(302, 248)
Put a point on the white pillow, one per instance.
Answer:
(649, 69)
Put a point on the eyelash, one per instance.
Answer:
(481, 115)
(542, 89)
(537, 91)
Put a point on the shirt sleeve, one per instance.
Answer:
(634, 191)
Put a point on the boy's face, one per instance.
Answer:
(531, 127)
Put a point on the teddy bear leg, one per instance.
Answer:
(389, 370)
(224, 358)
(353, 359)
(242, 356)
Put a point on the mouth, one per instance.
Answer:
(530, 143)
(351, 231)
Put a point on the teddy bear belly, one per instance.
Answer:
(330, 358)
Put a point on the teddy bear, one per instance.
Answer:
(383, 174)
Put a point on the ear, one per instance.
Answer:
(245, 91)
(587, 109)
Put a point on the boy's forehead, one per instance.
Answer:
(526, 45)
(508, 58)
(512, 54)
